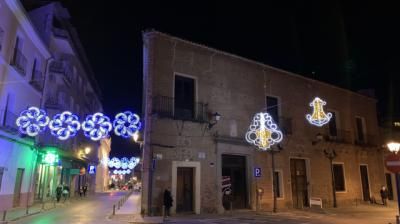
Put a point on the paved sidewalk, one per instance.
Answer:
(20, 212)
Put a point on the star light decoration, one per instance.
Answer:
(318, 117)
(32, 121)
(96, 126)
(263, 132)
(65, 125)
(126, 124)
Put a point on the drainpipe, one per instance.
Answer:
(48, 62)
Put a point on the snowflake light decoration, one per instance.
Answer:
(126, 124)
(263, 132)
(65, 125)
(32, 121)
(133, 162)
(124, 163)
(114, 162)
(318, 117)
(96, 126)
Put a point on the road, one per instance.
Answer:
(92, 209)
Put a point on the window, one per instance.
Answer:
(1, 37)
(396, 124)
(332, 125)
(184, 97)
(338, 174)
(360, 129)
(273, 108)
(278, 183)
(1, 175)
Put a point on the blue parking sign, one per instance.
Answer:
(257, 172)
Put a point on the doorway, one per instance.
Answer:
(298, 173)
(17, 187)
(234, 166)
(184, 189)
(389, 185)
(364, 182)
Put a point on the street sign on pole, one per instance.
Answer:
(392, 163)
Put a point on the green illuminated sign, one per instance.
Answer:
(50, 158)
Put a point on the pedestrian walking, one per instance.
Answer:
(384, 195)
(85, 190)
(59, 190)
(167, 202)
(65, 192)
(80, 191)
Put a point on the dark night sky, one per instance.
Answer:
(347, 43)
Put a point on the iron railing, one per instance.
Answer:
(37, 80)
(165, 106)
(52, 102)
(367, 140)
(337, 135)
(8, 120)
(19, 62)
(62, 68)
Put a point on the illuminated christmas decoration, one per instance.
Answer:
(64, 125)
(50, 158)
(318, 117)
(263, 132)
(133, 162)
(32, 121)
(124, 163)
(126, 124)
(96, 126)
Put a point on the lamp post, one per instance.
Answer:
(331, 155)
(394, 147)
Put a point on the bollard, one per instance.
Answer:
(113, 209)
(397, 219)
(4, 215)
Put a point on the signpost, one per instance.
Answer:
(392, 163)
(257, 172)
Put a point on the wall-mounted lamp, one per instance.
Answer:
(216, 117)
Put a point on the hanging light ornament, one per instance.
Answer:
(133, 162)
(318, 117)
(263, 132)
(126, 124)
(124, 163)
(65, 125)
(96, 126)
(32, 121)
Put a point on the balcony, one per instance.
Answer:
(19, 62)
(37, 80)
(165, 107)
(60, 33)
(61, 68)
(338, 136)
(52, 102)
(367, 140)
(8, 120)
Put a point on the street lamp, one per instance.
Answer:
(394, 147)
(87, 150)
(331, 155)
(216, 117)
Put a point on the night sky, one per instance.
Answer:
(351, 44)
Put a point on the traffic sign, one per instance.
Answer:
(392, 163)
(257, 172)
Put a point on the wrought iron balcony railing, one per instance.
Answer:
(367, 140)
(62, 68)
(19, 62)
(337, 135)
(37, 80)
(166, 107)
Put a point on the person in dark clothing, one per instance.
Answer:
(384, 195)
(59, 190)
(85, 190)
(167, 201)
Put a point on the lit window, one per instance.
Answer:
(396, 123)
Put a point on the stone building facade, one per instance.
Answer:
(186, 83)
